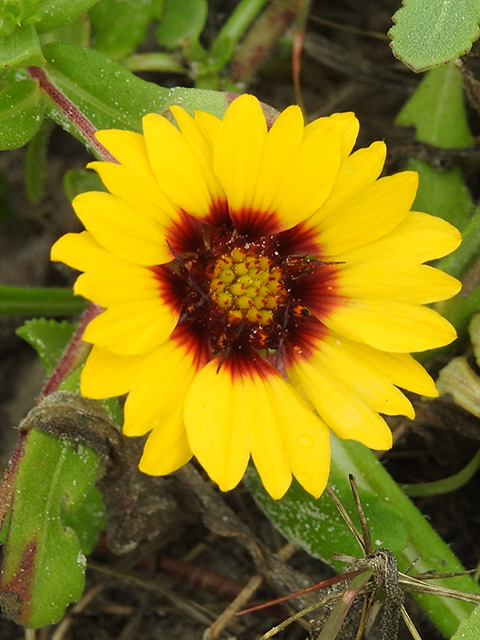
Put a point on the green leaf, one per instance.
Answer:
(469, 628)
(77, 32)
(437, 110)
(232, 31)
(442, 193)
(44, 568)
(21, 110)
(215, 102)
(458, 262)
(88, 521)
(77, 181)
(108, 94)
(41, 302)
(56, 13)
(49, 339)
(119, 27)
(21, 48)
(430, 32)
(182, 23)
(14, 13)
(314, 526)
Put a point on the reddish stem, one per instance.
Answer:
(74, 353)
(71, 112)
(76, 349)
(260, 41)
(7, 487)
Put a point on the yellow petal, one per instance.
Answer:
(310, 177)
(81, 251)
(400, 368)
(390, 325)
(334, 355)
(128, 147)
(305, 438)
(136, 190)
(133, 328)
(202, 149)
(122, 229)
(117, 285)
(216, 419)
(373, 214)
(347, 126)
(176, 167)
(166, 449)
(158, 394)
(238, 151)
(107, 374)
(356, 173)
(418, 238)
(209, 125)
(420, 284)
(229, 415)
(281, 145)
(345, 413)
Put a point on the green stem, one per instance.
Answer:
(234, 28)
(260, 40)
(446, 485)
(39, 302)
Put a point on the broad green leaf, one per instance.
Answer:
(394, 521)
(108, 94)
(40, 302)
(88, 521)
(120, 26)
(215, 102)
(458, 262)
(182, 23)
(21, 110)
(428, 33)
(443, 194)
(44, 567)
(78, 31)
(56, 13)
(10, 76)
(437, 110)
(120, 99)
(49, 338)
(15, 13)
(21, 48)
(469, 628)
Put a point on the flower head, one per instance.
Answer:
(261, 288)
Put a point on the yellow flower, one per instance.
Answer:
(261, 288)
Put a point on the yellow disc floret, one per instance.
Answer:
(247, 286)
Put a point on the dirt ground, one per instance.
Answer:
(177, 584)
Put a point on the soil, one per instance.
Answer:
(176, 584)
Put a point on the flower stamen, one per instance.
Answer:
(247, 287)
